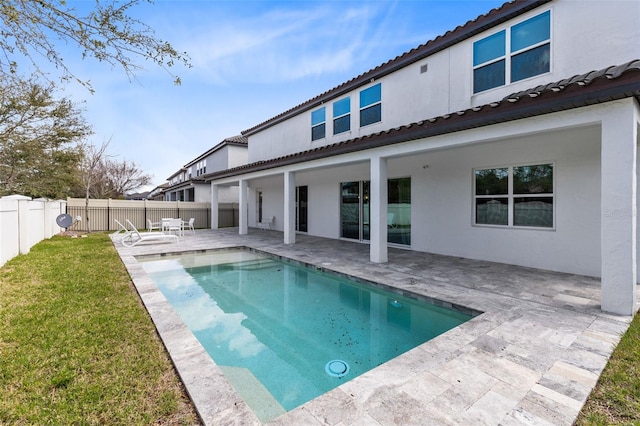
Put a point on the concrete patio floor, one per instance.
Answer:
(531, 358)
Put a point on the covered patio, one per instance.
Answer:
(531, 357)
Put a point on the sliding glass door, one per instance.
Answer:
(399, 211)
(354, 210)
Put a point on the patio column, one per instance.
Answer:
(214, 206)
(243, 208)
(618, 204)
(289, 208)
(378, 214)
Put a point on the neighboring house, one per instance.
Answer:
(512, 138)
(138, 196)
(157, 193)
(187, 184)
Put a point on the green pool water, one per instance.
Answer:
(284, 333)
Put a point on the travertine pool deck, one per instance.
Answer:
(531, 358)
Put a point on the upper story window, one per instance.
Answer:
(342, 116)
(529, 53)
(318, 124)
(201, 167)
(515, 196)
(371, 105)
(189, 173)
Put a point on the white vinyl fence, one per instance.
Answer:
(25, 222)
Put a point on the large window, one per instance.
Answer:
(318, 124)
(342, 116)
(371, 105)
(514, 196)
(529, 53)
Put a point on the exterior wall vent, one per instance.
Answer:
(423, 68)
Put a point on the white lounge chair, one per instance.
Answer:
(134, 237)
(123, 232)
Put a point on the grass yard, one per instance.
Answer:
(76, 344)
(616, 398)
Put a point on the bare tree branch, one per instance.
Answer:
(30, 29)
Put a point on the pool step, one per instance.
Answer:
(262, 403)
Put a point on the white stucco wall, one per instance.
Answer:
(218, 160)
(443, 198)
(237, 155)
(272, 201)
(607, 30)
(442, 201)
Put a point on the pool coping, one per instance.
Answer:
(459, 376)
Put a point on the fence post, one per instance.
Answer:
(108, 214)
(48, 233)
(23, 222)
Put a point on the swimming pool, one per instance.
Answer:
(284, 333)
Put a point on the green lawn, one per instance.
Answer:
(616, 397)
(76, 344)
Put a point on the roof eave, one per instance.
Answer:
(520, 106)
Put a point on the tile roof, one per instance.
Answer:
(238, 140)
(607, 84)
(482, 23)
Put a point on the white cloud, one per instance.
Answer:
(282, 45)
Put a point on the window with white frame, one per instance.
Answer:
(514, 196)
(371, 105)
(201, 167)
(318, 124)
(528, 44)
(342, 116)
(189, 173)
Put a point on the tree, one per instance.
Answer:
(31, 28)
(116, 178)
(104, 177)
(40, 140)
(90, 176)
(122, 177)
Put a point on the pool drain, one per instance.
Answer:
(337, 368)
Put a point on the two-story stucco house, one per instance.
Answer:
(512, 138)
(187, 184)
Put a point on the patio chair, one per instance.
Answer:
(267, 223)
(153, 225)
(189, 225)
(135, 237)
(172, 225)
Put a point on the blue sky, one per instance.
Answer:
(251, 61)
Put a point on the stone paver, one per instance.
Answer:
(531, 357)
